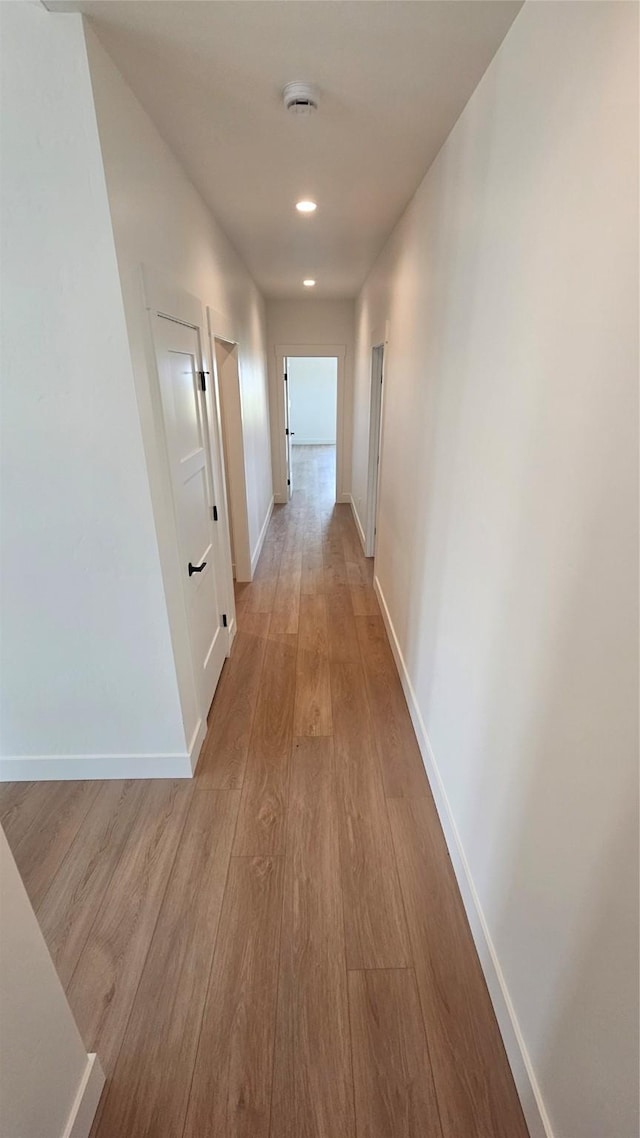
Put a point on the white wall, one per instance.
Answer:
(311, 322)
(508, 532)
(313, 390)
(160, 220)
(87, 662)
(46, 1077)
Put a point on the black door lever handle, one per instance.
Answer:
(196, 568)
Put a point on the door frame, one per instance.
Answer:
(219, 330)
(286, 404)
(374, 462)
(161, 297)
(333, 351)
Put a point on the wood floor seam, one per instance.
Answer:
(146, 954)
(277, 985)
(391, 968)
(208, 983)
(42, 909)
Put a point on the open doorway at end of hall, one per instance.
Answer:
(311, 410)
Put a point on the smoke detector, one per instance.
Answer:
(300, 98)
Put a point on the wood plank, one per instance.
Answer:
(351, 545)
(403, 771)
(358, 572)
(312, 579)
(343, 638)
(268, 566)
(41, 851)
(224, 753)
(312, 713)
(293, 537)
(255, 624)
(106, 977)
(286, 602)
(473, 1081)
(375, 929)
(335, 569)
(364, 600)
(312, 633)
(163, 1030)
(261, 595)
(231, 1088)
(20, 802)
(74, 898)
(395, 1095)
(312, 1087)
(261, 821)
(241, 596)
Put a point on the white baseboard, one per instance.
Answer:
(60, 768)
(344, 499)
(523, 1074)
(85, 1106)
(260, 542)
(314, 443)
(280, 499)
(359, 528)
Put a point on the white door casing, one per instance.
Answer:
(339, 352)
(179, 359)
(287, 428)
(224, 355)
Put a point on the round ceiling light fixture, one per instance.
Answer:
(308, 283)
(306, 206)
(300, 98)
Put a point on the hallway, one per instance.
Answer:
(278, 947)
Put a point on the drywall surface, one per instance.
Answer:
(313, 390)
(311, 322)
(43, 1062)
(508, 527)
(160, 220)
(87, 662)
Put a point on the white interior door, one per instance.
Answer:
(287, 429)
(184, 410)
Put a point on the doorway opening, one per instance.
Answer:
(311, 410)
(375, 427)
(226, 362)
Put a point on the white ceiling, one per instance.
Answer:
(393, 77)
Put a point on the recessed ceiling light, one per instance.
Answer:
(306, 207)
(309, 283)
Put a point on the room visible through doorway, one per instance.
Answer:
(311, 419)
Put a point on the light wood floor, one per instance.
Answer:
(277, 947)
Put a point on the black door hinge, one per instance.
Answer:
(215, 513)
(286, 430)
(288, 481)
(203, 382)
(224, 620)
(286, 377)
